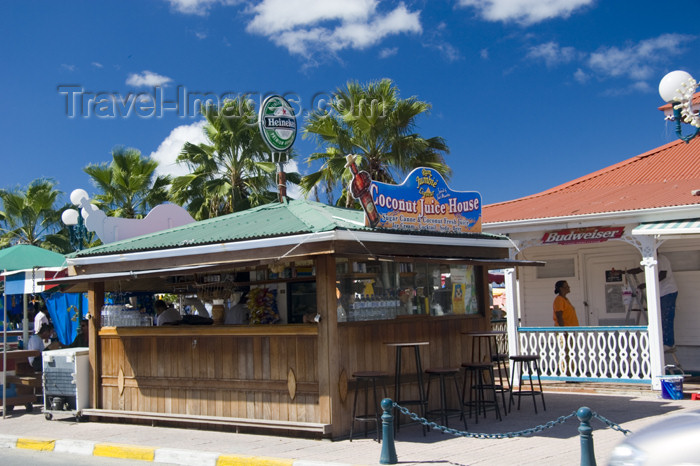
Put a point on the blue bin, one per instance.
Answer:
(672, 387)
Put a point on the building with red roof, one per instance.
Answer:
(590, 231)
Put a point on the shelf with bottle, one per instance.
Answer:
(374, 307)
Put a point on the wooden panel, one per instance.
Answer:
(212, 375)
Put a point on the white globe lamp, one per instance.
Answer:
(670, 87)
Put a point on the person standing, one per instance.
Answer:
(668, 292)
(40, 318)
(564, 312)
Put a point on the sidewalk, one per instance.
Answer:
(556, 446)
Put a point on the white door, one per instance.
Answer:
(604, 283)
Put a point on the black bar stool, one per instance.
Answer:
(520, 362)
(484, 346)
(481, 378)
(501, 367)
(442, 373)
(421, 400)
(364, 380)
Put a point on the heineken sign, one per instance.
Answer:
(278, 124)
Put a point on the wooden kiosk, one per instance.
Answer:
(368, 287)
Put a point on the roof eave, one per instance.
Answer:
(627, 216)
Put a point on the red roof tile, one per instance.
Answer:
(663, 177)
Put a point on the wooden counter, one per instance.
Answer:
(264, 376)
(265, 373)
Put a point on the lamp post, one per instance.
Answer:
(677, 88)
(73, 219)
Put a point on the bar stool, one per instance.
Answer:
(442, 373)
(478, 373)
(485, 348)
(421, 402)
(500, 361)
(531, 361)
(364, 379)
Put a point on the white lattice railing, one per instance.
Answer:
(501, 340)
(601, 354)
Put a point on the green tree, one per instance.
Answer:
(372, 122)
(232, 171)
(129, 185)
(30, 216)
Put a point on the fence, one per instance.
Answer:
(596, 354)
(584, 415)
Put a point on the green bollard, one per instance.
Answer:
(585, 430)
(388, 455)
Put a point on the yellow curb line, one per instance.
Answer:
(124, 452)
(231, 460)
(35, 444)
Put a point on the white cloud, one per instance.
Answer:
(169, 149)
(525, 11)
(97, 64)
(307, 26)
(197, 7)
(581, 76)
(147, 79)
(68, 67)
(552, 54)
(388, 52)
(638, 61)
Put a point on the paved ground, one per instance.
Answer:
(557, 446)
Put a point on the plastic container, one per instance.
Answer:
(672, 387)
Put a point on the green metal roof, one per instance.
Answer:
(297, 216)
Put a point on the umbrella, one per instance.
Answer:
(23, 257)
(26, 256)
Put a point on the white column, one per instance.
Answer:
(651, 276)
(512, 321)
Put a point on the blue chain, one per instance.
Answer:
(521, 433)
(611, 424)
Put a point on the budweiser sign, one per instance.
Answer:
(582, 235)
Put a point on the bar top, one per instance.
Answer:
(213, 330)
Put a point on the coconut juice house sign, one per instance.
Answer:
(423, 202)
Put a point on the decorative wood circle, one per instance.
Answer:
(292, 384)
(120, 381)
(343, 385)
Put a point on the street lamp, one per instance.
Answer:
(77, 232)
(677, 88)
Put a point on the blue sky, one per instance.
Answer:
(527, 93)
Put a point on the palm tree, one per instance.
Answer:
(372, 122)
(128, 183)
(231, 172)
(30, 216)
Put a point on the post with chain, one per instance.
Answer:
(585, 430)
(388, 455)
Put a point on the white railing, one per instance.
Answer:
(501, 340)
(600, 354)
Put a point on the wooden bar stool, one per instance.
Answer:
(531, 362)
(421, 400)
(364, 380)
(443, 413)
(481, 378)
